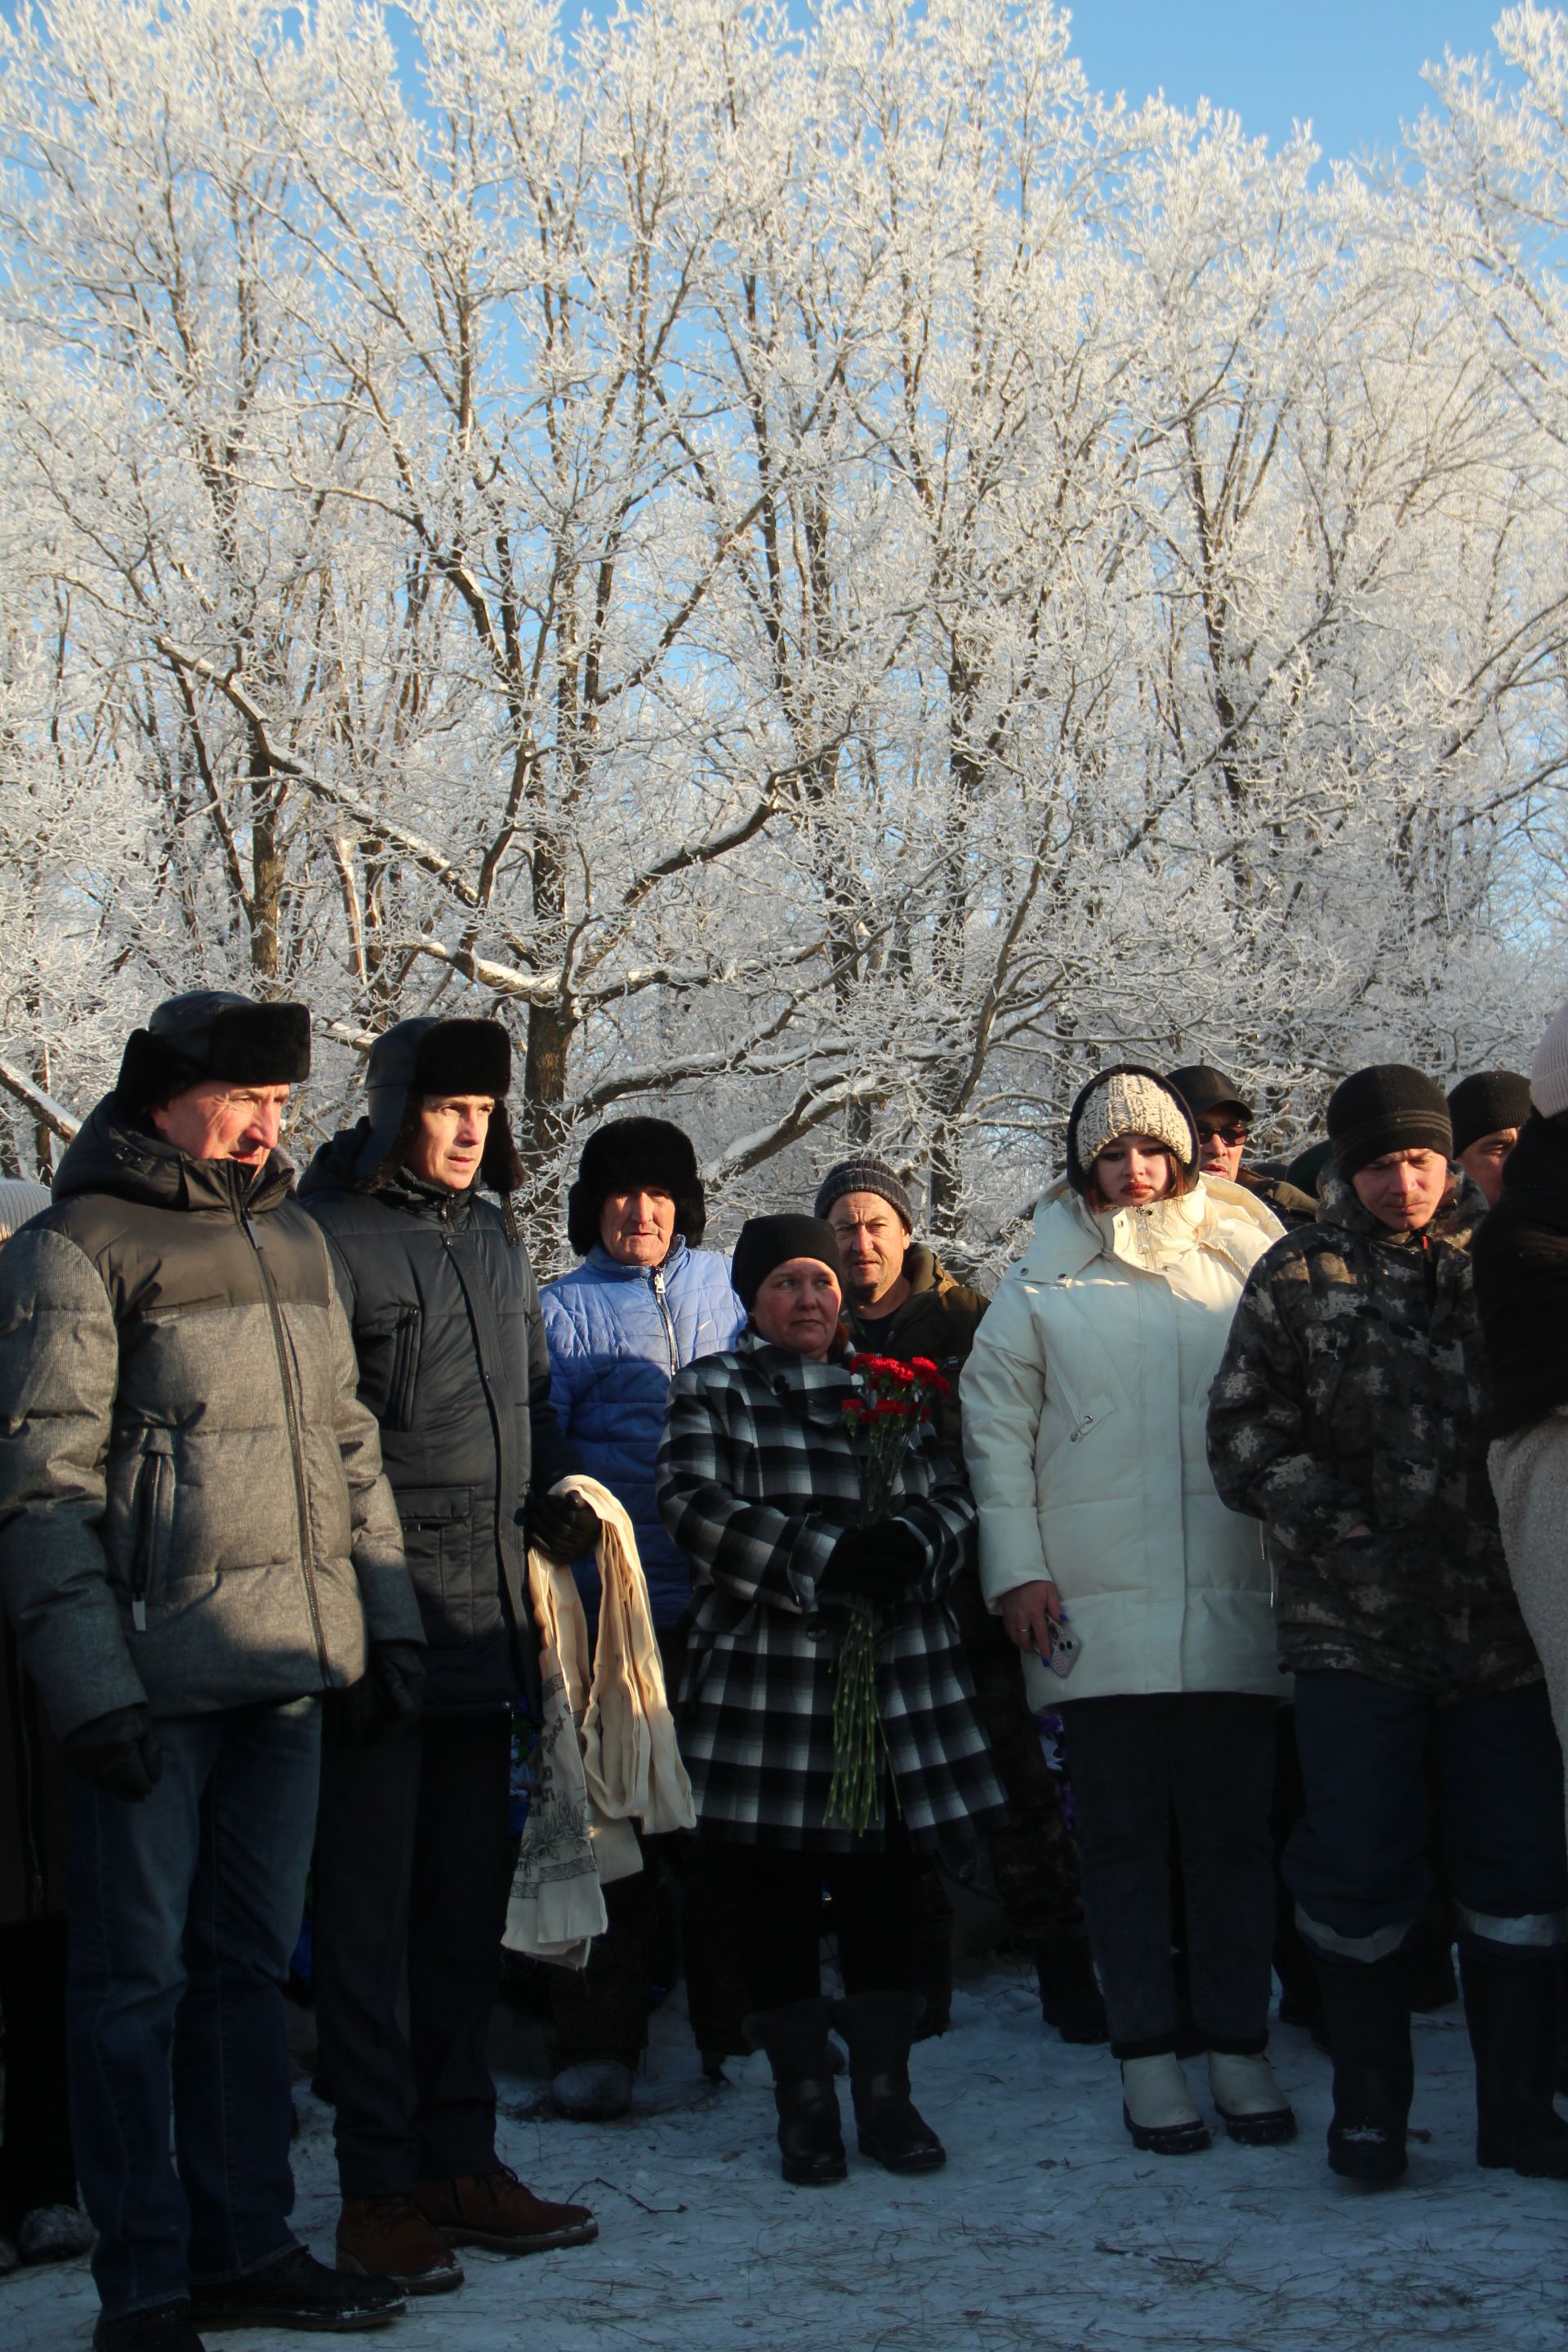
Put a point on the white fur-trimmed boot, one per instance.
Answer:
(1252, 2108)
(1157, 2106)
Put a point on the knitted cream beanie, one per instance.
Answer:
(1548, 1071)
(1127, 1101)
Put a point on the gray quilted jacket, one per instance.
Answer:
(192, 1505)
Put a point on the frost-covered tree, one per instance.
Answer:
(830, 577)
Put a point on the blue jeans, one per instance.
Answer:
(183, 1911)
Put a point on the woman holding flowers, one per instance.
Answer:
(826, 1709)
(1084, 1417)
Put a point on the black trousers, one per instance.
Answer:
(412, 1872)
(1202, 1762)
(1033, 1860)
(778, 1895)
(1358, 1862)
(36, 2167)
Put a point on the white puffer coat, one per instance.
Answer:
(1085, 1407)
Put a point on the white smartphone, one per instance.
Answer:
(1065, 1648)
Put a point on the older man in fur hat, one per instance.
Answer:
(411, 1853)
(196, 1542)
(646, 1299)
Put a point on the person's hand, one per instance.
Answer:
(1028, 1612)
(879, 1563)
(563, 1527)
(396, 1675)
(119, 1753)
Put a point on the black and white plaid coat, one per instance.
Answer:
(757, 1480)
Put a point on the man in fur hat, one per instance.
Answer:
(412, 1863)
(196, 1541)
(646, 1299)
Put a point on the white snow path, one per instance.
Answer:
(1047, 2230)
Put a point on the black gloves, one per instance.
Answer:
(562, 1525)
(883, 1563)
(119, 1753)
(389, 1696)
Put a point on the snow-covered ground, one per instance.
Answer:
(1046, 2231)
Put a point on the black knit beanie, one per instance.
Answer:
(768, 1241)
(864, 1175)
(1390, 1108)
(1487, 1103)
(623, 1156)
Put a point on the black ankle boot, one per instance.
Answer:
(1367, 2010)
(1511, 2002)
(879, 2028)
(1069, 1996)
(811, 2145)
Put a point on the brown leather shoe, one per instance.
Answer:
(494, 2210)
(389, 2237)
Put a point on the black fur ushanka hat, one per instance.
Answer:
(622, 1155)
(212, 1032)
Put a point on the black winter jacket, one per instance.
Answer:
(453, 1363)
(1521, 1280)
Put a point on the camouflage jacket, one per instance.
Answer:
(1353, 1394)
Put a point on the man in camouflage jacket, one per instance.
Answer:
(1350, 1415)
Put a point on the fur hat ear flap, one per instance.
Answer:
(501, 1166)
(463, 1057)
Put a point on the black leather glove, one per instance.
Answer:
(563, 1527)
(879, 1564)
(119, 1753)
(389, 1696)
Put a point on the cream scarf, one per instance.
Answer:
(606, 1753)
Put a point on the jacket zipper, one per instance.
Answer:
(296, 1449)
(668, 1322)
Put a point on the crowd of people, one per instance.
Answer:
(1215, 1623)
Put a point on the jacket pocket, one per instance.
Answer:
(153, 1522)
(437, 1542)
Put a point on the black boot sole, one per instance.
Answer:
(444, 2282)
(928, 2160)
(1260, 2131)
(293, 2321)
(818, 2172)
(1547, 2165)
(1168, 2139)
(1374, 2168)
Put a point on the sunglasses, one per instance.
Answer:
(1235, 1131)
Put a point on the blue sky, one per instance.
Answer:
(1351, 67)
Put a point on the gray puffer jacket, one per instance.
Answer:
(192, 1505)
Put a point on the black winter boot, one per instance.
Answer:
(1366, 2009)
(879, 2028)
(811, 2145)
(1069, 1996)
(1511, 1999)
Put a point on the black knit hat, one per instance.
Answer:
(768, 1241)
(428, 1055)
(864, 1175)
(1486, 1104)
(1203, 1088)
(626, 1155)
(1390, 1108)
(212, 1032)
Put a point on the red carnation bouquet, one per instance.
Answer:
(885, 1411)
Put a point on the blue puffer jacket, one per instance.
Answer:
(618, 1335)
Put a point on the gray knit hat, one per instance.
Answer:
(1549, 1070)
(866, 1175)
(1128, 1101)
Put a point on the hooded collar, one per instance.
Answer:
(1069, 1234)
(116, 1153)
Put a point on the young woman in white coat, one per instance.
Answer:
(1084, 1414)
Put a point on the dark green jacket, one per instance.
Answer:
(192, 1505)
(939, 1320)
(1354, 1392)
